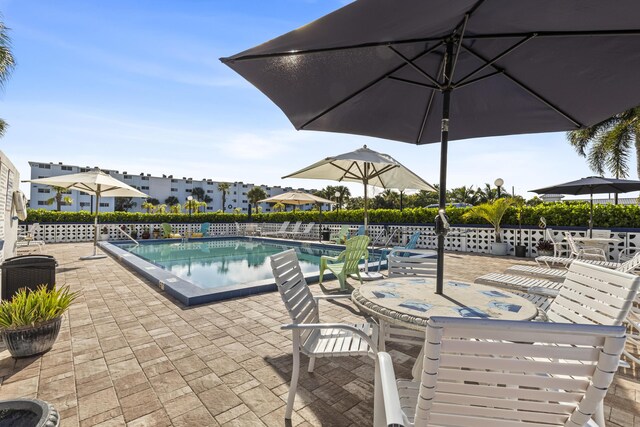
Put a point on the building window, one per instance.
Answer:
(209, 191)
(67, 168)
(42, 203)
(145, 187)
(209, 183)
(144, 178)
(104, 205)
(174, 189)
(84, 170)
(43, 166)
(174, 180)
(44, 190)
(84, 204)
(127, 177)
(188, 190)
(189, 181)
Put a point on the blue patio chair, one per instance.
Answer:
(411, 244)
(360, 231)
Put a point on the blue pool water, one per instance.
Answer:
(221, 263)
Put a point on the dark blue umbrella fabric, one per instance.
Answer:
(591, 185)
(423, 71)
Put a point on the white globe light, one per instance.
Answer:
(499, 182)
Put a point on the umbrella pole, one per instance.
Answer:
(95, 231)
(444, 145)
(591, 215)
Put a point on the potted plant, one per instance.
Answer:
(104, 233)
(156, 233)
(134, 233)
(544, 247)
(493, 213)
(145, 233)
(30, 321)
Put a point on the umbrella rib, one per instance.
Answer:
(411, 82)
(494, 60)
(415, 67)
(531, 91)
(428, 107)
(367, 86)
(477, 79)
(347, 171)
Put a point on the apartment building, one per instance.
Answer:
(156, 187)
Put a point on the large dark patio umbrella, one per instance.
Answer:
(591, 185)
(402, 69)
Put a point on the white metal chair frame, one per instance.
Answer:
(582, 251)
(306, 233)
(560, 247)
(480, 372)
(311, 337)
(281, 231)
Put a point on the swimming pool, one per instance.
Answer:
(204, 270)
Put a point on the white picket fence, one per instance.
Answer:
(461, 239)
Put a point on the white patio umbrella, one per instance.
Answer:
(96, 183)
(368, 167)
(296, 198)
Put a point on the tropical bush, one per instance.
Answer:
(30, 308)
(570, 214)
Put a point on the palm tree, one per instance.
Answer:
(255, 194)
(224, 187)
(610, 142)
(463, 194)
(60, 199)
(343, 197)
(147, 205)
(608, 145)
(171, 200)
(175, 208)
(124, 204)
(492, 212)
(192, 205)
(7, 64)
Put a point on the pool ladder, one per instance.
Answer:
(129, 236)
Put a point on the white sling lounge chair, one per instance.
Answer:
(502, 373)
(306, 233)
(311, 337)
(281, 231)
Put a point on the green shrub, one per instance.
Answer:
(29, 308)
(557, 214)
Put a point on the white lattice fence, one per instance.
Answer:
(461, 239)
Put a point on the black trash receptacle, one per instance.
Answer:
(27, 271)
(326, 234)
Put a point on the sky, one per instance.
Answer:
(137, 86)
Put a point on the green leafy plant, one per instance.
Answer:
(30, 308)
(544, 245)
(492, 212)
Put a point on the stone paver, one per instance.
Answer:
(130, 355)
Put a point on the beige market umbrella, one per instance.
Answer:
(296, 198)
(368, 167)
(94, 182)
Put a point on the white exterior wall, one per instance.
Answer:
(156, 187)
(9, 182)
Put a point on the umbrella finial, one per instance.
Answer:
(364, 146)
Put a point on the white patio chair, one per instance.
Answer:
(601, 234)
(28, 240)
(584, 252)
(311, 337)
(293, 231)
(560, 247)
(502, 373)
(283, 229)
(306, 233)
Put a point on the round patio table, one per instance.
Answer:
(410, 301)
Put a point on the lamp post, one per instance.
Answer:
(189, 199)
(337, 194)
(499, 183)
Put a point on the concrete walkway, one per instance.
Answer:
(129, 355)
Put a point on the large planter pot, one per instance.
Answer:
(28, 412)
(521, 251)
(499, 248)
(31, 340)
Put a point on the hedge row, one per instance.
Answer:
(558, 214)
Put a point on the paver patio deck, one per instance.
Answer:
(129, 355)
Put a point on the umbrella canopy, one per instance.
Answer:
(591, 185)
(368, 167)
(94, 182)
(296, 198)
(423, 71)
